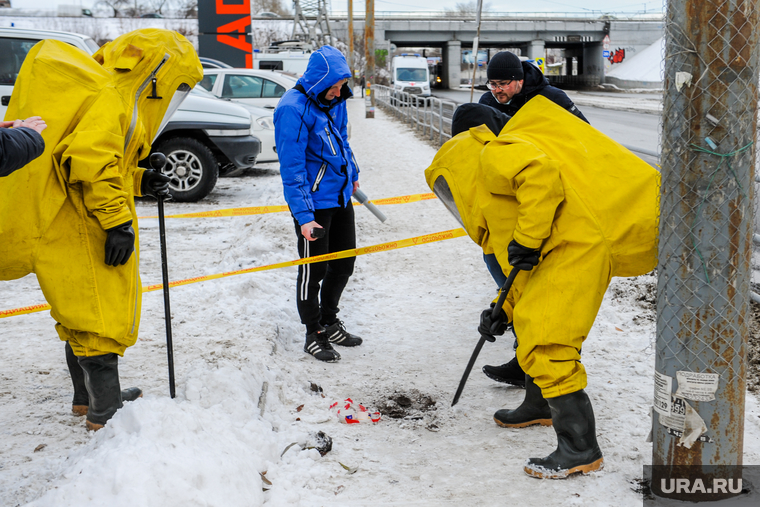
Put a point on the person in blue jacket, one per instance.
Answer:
(319, 175)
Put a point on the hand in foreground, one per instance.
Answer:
(34, 122)
(307, 228)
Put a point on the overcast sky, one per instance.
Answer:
(433, 5)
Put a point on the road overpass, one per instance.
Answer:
(581, 39)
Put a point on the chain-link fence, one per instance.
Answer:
(705, 243)
(428, 116)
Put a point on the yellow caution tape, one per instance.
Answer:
(355, 252)
(263, 210)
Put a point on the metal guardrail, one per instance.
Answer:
(588, 15)
(429, 116)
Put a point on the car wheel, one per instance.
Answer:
(191, 166)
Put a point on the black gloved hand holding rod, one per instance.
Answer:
(522, 257)
(157, 162)
(485, 336)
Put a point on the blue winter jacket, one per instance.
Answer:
(317, 166)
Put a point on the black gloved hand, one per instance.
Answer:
(154, 183)
(120, 244)
(522, 257)
(490, 327)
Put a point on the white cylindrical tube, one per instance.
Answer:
(362, 198)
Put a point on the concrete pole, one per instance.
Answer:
(351, 43)
(705, 239)
(369, 56)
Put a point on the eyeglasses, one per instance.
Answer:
(498, 86)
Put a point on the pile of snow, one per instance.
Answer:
(642, 70)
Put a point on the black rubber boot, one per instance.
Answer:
(533, 410)
(577, 449)
(101, 376)
(81, 399)
(508, 373)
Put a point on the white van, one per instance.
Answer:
(411, 74)
(293, 62)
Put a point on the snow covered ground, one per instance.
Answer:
(242, 375)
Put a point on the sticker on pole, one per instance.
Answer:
(697, 386)
(685, 423)
(663, 385)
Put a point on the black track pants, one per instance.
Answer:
(340, 234)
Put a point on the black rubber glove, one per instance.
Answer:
(490, 327)
(120, 244)
(154, 183)
(522, 257)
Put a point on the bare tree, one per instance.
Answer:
(156, 5)
(466, 9)
(264, 34)
(187, 8)
(117, 6)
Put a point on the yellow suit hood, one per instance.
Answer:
(456, 165)
(146, 64)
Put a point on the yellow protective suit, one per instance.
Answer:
(54, 214)
(552, 182)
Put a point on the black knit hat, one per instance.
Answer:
(505, 66)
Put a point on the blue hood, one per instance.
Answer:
(326, 67)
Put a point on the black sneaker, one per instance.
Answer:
(508, 373)
(338, 335)
(319, 346)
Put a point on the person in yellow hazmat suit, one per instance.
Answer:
(70, 216)
(571, 208)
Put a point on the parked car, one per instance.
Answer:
(206, 137)
(262, 127)
(262, 88)
(210, 63)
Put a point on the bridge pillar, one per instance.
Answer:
(452, 64)
(536, 49)
(593, 62)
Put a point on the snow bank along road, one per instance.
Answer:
(246, 390)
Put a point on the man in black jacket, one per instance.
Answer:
(20, 143)
(512, 83)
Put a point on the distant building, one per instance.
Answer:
(5, 3)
